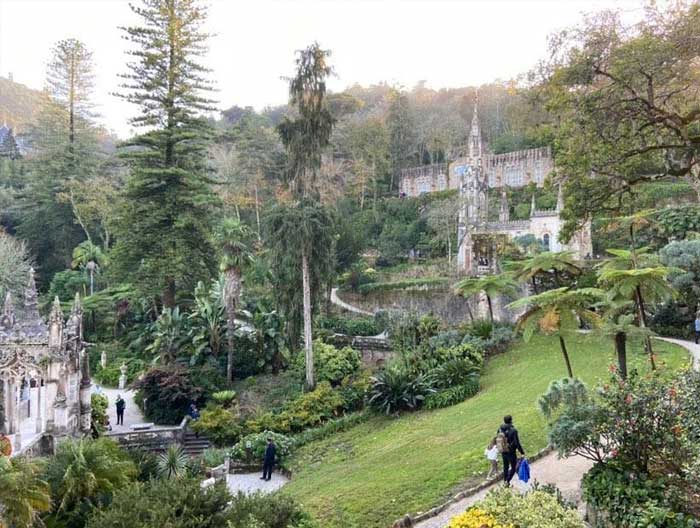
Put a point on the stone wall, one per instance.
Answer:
(441, 302)
(157, 439)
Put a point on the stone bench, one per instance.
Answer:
(142, 426)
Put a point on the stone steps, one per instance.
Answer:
(195, 445)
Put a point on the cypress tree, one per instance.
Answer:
(163, 236)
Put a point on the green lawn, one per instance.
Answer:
(372, 474)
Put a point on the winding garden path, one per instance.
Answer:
(132, 413)
(345, 306)
(564, 473)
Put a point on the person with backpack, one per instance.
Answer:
(508, 444)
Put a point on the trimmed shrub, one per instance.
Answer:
(631, 499)
(219, 425)
(165, 394)
(475, 518)
(351, 326)
(332, 364)
(251, 448)
(536, 509)
(260, 510)
(308, 410)
(452, 395)
(177, 503)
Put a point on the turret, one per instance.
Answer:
(56, 325)
(560, 198)
(533, 205)
(504, 213)
(475, 147)
(7, 320)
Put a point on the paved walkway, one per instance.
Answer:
(251, 483)
(565, 474)
(689, 346)
(345, 306)
(132, 413)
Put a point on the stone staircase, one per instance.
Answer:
(194, 445)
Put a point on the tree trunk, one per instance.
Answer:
(488, 301)
(566, 356)
(232, 292)
(308, 338)
(257, 213)
(621, 349)
(534, 285)
(643, 324)
(169, 293)
(469, 309)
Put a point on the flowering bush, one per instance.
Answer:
(536, 509)
(476, 518)
(251, 448)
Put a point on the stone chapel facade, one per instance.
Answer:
(44, 372)
(473, 175)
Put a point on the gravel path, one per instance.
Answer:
(689, 346)
(132, 413)
(345, 306)
(565, 474)
(251, 483)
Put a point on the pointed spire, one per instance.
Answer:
(475, 132)
(31, 304)
(533, 205)
(504, 213)
(77, 306)
(56, 311)
(7, 320)
(560, 198)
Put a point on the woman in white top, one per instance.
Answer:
(491, 453)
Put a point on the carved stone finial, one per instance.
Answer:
(56, 312)
(7, 320)
(560, 198)
(77, 306)
(31, 305)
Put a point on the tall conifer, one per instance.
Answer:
(163, 239)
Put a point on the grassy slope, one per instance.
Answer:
(374, 473)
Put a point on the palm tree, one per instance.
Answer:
(23, 494)
(491, 285)
(636, 275)
(556, 312)
(173, 463)
(87, 472)
(618, 323)
(233, 238)
(555, 263)
(89, 257)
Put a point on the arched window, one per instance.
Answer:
(545, 241)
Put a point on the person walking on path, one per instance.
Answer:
(121, 404)
(508, 444)
(269, 461)
(697, 327)
(491, 453)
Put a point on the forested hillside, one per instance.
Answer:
(19, 105)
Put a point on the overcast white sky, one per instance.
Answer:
(448, 43)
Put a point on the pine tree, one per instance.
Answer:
(66, 151)
(163, 243)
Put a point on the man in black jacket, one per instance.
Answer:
(510, 457)
(269, 461)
